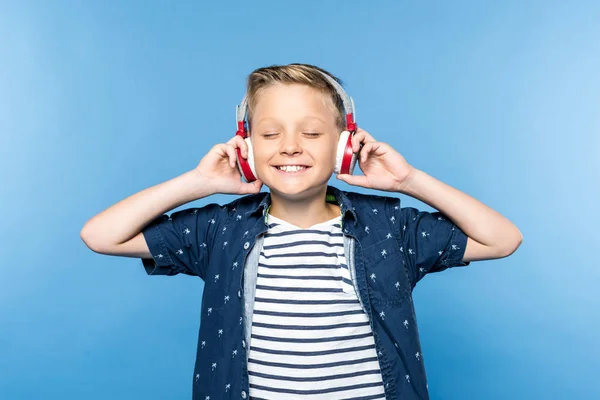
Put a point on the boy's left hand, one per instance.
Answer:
(383, 167)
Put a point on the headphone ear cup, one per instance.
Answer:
(345, 158)
(246, 167)
(251, 157)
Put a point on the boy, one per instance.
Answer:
(307, 289)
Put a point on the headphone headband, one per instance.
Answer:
(241, 110)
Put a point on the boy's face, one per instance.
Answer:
(294, 125)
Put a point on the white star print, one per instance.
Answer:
(407, 378)
(384, 253)
(224, 229)
(203, 245)
(238, 217)
(410, 251)
(402, 249)
(226, 299)
(227, 387)
(440, 252)
(389, 235)
(179, 251)
(245, 233)
(212, 220)
(393, 219)
(225, 243)
(405, 323)
(207, 398)
(220, 332)
(203, 343)
(455, 247)
(213, 366)
(197, 376)
(235, 264)
(186, 231)
(395, 207)
(374, 211)
(397, 284)
(159, 256)
(367, 229)
(195, 211)
(424, 234)
(418, 355)
(216, 277)
(422, 269)
(209, 310)
(234, 353)
(373, 277)
(382, 314)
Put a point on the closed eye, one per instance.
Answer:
(312, 134)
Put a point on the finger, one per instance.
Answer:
(355, 180)
(360, 137)
(239, 143)
(252, 187)
(371, 148)
(231, 154)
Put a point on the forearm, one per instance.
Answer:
(122, 221)
(478, 221)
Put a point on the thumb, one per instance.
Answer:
(355, 180)
(252, 187)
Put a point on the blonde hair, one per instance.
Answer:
(304, 74)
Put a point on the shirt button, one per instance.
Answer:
(246, 245)
(243, 394)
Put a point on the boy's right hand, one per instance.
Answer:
(218, 169)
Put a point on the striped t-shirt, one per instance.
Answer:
(310, 335)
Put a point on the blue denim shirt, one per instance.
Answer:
(388, 250)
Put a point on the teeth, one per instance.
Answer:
(291, 168)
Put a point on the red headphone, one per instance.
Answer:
(345, 159)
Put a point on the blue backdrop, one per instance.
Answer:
(99, 100)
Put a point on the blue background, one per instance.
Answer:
(99, 100)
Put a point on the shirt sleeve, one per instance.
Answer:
(430, 241)
(179, 243)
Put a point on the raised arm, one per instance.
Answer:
(117, 230)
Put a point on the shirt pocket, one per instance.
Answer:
(386, 273)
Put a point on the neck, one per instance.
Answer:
(304, 212)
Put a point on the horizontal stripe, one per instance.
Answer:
(311, 340)
(300, 289)
(306, 392)
(306, 302)
(311, 366)
(306, 277)
(308, 315)
(311, 327)
(316, 378)
(297, 266)
(303, 232)
(311, 353)
(301, 243)
(305, 254)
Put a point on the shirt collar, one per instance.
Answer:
(340, 197)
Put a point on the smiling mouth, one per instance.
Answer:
(291, 169)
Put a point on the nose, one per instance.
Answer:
(290, 145)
